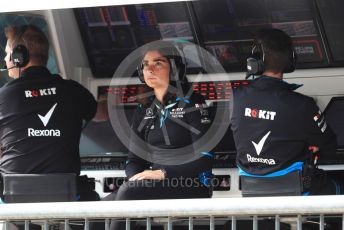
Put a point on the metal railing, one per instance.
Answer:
(190, 211)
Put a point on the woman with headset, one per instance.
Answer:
(169, 122)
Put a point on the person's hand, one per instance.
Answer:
(313, 149)
(149, 175)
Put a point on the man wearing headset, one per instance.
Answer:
(277, 130)
(41, 114)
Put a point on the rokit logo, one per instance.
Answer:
(40, 92)
(258, 147)
(177, 113)
(45, 132)
(261, 114)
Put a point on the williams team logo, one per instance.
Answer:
(45, 120)
(258, 147)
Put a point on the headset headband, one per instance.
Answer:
(173, 53)
(256, 65)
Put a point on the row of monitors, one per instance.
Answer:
(223, 28)
(211, 91)
(99, 138)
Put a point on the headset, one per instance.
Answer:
(20, 54)
(176, 59)
(255, 63)
(19, 58)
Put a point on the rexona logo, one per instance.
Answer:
(261, 114)
(40, 92)
(45, 132)
(258, 147)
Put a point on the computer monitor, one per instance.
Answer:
(226, 145)
(111, 33)
(99, 139)
(224, 152)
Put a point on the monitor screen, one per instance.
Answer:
(125, 94)
(334, 114)
(331, 12)
(111, 33)
(210, 90)
(228, 33)
(98, 138)
(226, 145)
(235, 20)
(192, 55)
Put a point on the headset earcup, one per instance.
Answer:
(292, 62)
(20, 56)
(178, 68)
(140, 73)
(255, 63)
(181, 67)
(254, 66)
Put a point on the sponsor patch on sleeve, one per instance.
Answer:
(320, 121)
(203, 109)
(317, 116)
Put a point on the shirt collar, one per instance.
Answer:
(267, 82)
(169, 98)
(35, 72)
